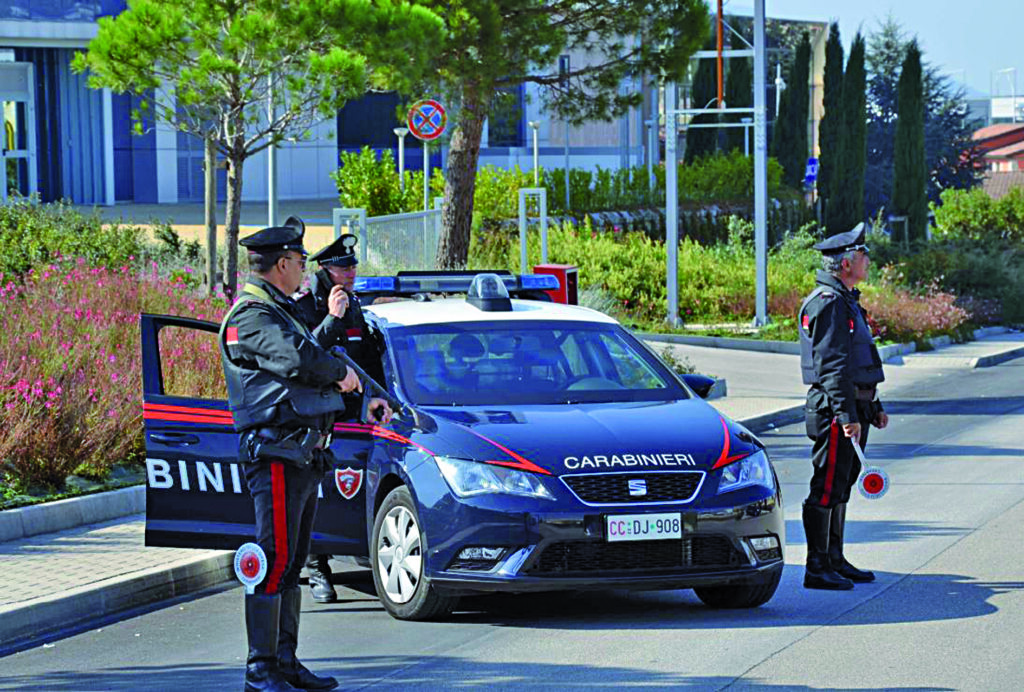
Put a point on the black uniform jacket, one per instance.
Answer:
(277, 372)
(838, 355)
(351, 331)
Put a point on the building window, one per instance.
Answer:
(505, 126)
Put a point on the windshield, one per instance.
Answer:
(482, 363)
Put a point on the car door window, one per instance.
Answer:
(190, 364)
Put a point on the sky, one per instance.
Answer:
(966, 39)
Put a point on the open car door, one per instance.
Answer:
(196, 495)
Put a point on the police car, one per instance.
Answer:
(542, 447)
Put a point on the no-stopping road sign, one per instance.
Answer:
(427, 119)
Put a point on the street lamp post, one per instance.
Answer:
(780, 84)
(535, 125)
(746, 135)
(401, 132)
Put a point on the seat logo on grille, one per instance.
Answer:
(637, 487)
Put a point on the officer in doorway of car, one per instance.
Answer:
(330, 307)
(284, 390)
(839, 361)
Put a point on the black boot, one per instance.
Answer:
(319, 569)
(819, 575)
(293, 671)
(261, 625)
(835, 549)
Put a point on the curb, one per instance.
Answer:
(996, 358)
(28, 624)
(59, 515)
(789, 347)
(773, 419)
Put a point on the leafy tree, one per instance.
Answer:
(909, 195)
(495, 45)
(847, 205)
(830, 162)
(950, 156)
(739, 93)
(703, 141)
(790, 141)
(219, 61)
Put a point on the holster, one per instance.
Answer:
(295, 447)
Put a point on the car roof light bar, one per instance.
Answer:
(409, 283)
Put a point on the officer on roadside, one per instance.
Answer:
(839, 361)
(330, 307)
(284, 390)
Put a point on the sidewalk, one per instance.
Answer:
(53, 584)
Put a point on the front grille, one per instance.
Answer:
(613, 488)
(573, 558)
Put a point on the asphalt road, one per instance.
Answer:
(947, 611)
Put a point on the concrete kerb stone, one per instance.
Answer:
(59, 515)
(997, 358)
(24, 624)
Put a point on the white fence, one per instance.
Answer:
(392, 243)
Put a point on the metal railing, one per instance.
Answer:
(395, 242)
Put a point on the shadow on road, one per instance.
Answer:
(880, 531)
(415, 672)
(924, 598)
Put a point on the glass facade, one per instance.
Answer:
(60, 10)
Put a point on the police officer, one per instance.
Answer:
(284, 389)
(331, 309)
(839, 361)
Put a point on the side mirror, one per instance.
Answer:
(701, 384)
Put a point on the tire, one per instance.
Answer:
(402, 587)
(750, 596)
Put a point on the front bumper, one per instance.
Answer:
(568, 550)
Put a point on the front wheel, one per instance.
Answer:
(398, 548)
(750, 596)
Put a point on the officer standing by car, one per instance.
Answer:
(840, 362)
(284, 390)
(331, 309)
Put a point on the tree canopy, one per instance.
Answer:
(830, 163)
(492, 46)
(909, 195)
(209, 67)
(846, 206)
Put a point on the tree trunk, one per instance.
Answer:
(460, 185)
(210, 199)
(232, 222)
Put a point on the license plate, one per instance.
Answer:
(643, 527)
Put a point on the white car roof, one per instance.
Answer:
(409, 313)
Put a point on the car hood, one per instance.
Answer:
(594, 438)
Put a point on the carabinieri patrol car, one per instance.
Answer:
(543, 447)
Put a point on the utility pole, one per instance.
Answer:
(760, 171)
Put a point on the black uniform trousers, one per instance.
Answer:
(285, 496)
(836, 466)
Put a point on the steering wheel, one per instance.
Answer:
(586, 383)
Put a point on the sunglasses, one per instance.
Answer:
(300, 260)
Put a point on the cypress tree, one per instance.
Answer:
(830, 162)
(910, 175)
(795, 109)
(739, 93)
(848, 195)
(701, 141)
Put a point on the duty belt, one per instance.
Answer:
(865, 394)
(309, 438)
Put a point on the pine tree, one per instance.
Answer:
(848, 202)
(739, 93)
(831, 128)
(702, 141)
(910, 175)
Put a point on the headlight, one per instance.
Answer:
(752, 470)
(468, 478)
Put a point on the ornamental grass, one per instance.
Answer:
(71, 366)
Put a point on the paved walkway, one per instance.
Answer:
(52, 583)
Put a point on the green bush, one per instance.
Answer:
(974, 215)
(32, 233)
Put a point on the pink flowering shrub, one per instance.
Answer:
(70, 366)
(901, 315)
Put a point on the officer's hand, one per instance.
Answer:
(851, 429)
(379, 412)
(351, 382)
(337, 301)
(881, 420)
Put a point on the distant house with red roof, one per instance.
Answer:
(1001, 146)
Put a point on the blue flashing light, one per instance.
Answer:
(539, 282)
(374, 284)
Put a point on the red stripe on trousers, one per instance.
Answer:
(280, 526)
(833, 443)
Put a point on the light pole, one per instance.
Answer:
(535, 125)
(563, 71)
(651, 152)
(746, 135)
(401, 132)
(780, 84)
